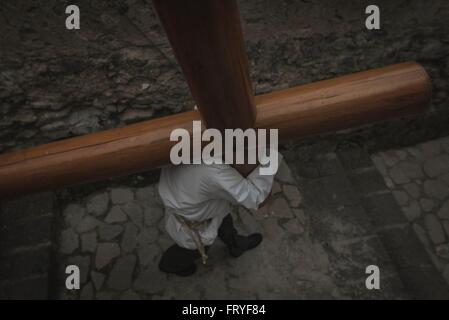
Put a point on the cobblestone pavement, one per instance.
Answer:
(117, 236)
(317, 244)
(335, 211)
(419, 179)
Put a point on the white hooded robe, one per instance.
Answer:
(200, 192)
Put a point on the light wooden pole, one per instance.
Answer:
(344, 102)
(207, 39)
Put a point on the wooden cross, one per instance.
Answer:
(207, 40)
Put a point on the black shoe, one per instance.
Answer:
(188, 271)
(245, 243)
(236, 243)
(179, 261)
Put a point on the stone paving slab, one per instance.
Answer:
(313, 248)
(329, 218)
(116, 237)
(339, 220)
(418, 178)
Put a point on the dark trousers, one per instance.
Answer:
(177, 259)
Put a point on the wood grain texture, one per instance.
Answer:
(319, 107)
(346, 101)
(207, 39)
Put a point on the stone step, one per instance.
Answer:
(339, 222)
(418, 178)
(26, 246)
(357, 219)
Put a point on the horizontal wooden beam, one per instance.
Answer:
(324, 106)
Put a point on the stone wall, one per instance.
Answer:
(119, 68)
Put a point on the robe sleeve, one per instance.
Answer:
(249, 192)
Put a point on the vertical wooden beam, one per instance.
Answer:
(207, 39)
